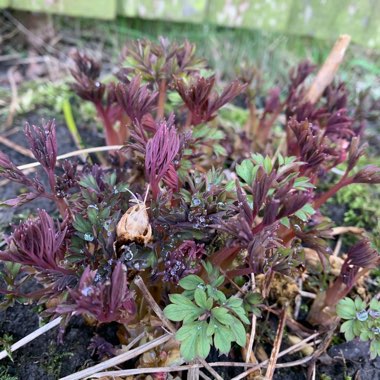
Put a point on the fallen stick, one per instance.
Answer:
(328, 70)
(35, 334)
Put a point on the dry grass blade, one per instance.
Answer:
(32, 336)
(18, 148)
(327, 72)
(276, 346)
(119, 358)
(74, 153)
(153, 304)
(294, 348)
(210, 369)
(253, 325)
(347, 229)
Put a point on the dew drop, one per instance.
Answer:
(374, 313)
(88, 237)
(87, 291)
(362, 315)
(196, 201)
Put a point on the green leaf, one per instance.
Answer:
(190, 282)
(185, 331)
(219, 150)
(222, 315)
(189, 345)
(240, 312)
(82, 225)
(374, 304)
(346, 308)
(222, 339)
(360, 304)
(200, 298)
(239, 332)
(285, 222)
(267, 164)
(181, 309)
(245, 171)
(219, 281)
(234, 302)
(348, 329)
(203, 341)
(92, 213)
(180, 299)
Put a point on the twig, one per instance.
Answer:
(327, 72)
(338, 246)
(153, 304)
(73, 154)
(18, 148)
(193, 374)
(345, 229)
(253, 325)
(276, 346)
(203, 376)
(210, 369)
(307, 294)
(35, 334)
(119, 359)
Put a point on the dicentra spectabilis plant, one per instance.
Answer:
(191, 202)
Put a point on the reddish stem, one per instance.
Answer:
(332, 191)
(161, 99)
(110, 134)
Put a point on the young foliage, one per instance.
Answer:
(208, 317)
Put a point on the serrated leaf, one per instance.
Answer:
(234, 302)
(200, 298)
(240, 312)
(219, 150)
(245, 170)
(239, 332)
(222, 339)
(178, 313)
(219, 281)
(285, 222)
(185, 331)
(267, 165)
(221, 314)
(189, 346)
(82, 225)
(190, 282)
(346, 308)
(203, 341)
(347, 329)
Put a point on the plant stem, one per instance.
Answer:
(331, 192)
(161, 99)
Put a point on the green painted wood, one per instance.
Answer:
(103, 9)
(259, 14)
(193, 11)
(325, 19)
(4, 3)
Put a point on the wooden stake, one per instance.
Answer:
(327, 72)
